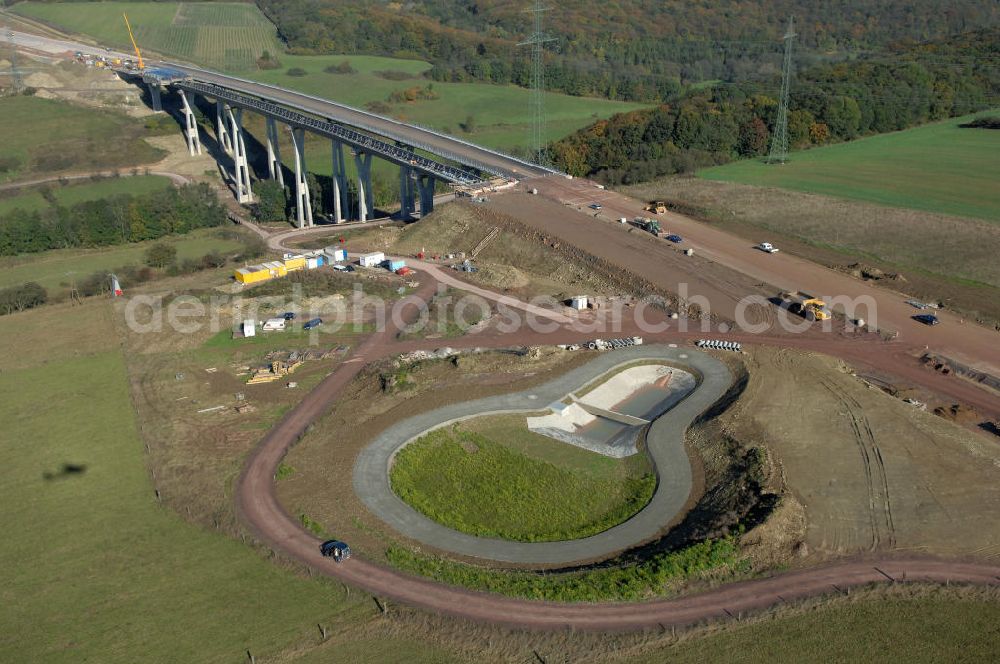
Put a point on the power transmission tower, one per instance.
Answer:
(779, 141)
(536, 142)
(16, 81)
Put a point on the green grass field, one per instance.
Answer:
(496, 478)
(95, 569)
(64, 137)
(501, 113)
(936, 168)
(929, 628)
(83, 190)
(227, 36)
(54, 268)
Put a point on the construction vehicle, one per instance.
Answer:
(648, 225)
(656, 207)
(138, 55)
(803, 304)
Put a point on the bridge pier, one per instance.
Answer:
(241, 167)
(406, 193)
(303, 203)
(154, 96)
(363, 162)
(273, 151)
(425, 183)
(339, 176)
(221, 133)
(190, 125)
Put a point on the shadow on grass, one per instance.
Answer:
(66, 471)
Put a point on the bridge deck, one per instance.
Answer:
(448, 147)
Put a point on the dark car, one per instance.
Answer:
(310, 324)
(335, 549)
(675, 238)
(926, 319)
(288, 315)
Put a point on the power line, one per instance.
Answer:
(536, 141)
(779, 141)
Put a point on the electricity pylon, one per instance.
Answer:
(779, 140)
(16, 80)
(536, 141)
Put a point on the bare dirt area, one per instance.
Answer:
(636, 257)
(871, 472)
(199, 416)
(943, 259)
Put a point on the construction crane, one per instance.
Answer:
(138, 55)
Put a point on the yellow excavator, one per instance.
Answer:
(656, 207)
(138, 54)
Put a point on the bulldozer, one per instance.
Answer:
(803, 304)
(656, 207)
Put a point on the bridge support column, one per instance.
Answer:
(303, 203)
(154, 96)
(363, 162)
(221, 133)
(273, 152)
(340, 201)
(241, 167)
(190, 126)
(406, 193)
(425, 183)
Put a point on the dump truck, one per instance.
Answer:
(656, 207)
(805, 305)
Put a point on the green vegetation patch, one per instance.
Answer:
(937, 168)
(62, 137)
(934, 627)
(95, 569)
(58, 268)
(228, 36)
(76, 191)
(634, 582)
(501, 114)
(526, 488)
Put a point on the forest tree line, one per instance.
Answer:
(111, 221)
(828, 103)
(634, 50)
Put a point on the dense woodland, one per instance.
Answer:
(913, 85)
(643, 50)
(111, 221)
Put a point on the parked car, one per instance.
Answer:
(926, 319)
(675, 238)
(288, 315)
(310, 324)
(768, 247)
(596, 206)
(335, 549)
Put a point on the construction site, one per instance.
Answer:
(518, 385)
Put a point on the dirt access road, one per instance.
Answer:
(568, 218)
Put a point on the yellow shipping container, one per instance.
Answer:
(252, 274)
(296, 263)
(276, 268)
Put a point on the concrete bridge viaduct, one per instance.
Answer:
(422, 155)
